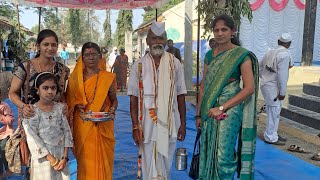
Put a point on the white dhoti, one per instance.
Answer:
(273, 109)
(158, 167)
(273, 117)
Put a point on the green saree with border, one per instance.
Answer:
(219, 159)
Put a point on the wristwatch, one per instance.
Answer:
(221, 108)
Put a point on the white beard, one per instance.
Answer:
(157, 50)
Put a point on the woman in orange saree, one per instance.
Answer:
(92, 88)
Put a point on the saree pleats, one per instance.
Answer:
(219, 159)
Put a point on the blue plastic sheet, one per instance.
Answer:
(270, 162)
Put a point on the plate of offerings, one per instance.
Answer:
(96, 116)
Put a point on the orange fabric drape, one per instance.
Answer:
(103, 64)
(93, 142)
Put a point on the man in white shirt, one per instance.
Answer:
(274, 74)
(157, 105)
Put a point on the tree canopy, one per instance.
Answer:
(150, 13)
(124, 24)
(107, 30)
(74, 27)
(7, 10)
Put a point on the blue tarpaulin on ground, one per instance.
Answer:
(270, 162)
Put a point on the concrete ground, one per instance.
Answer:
(296, 134)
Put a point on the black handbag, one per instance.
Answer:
(194, 167)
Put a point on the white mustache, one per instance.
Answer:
(157, 49)
(157, 46)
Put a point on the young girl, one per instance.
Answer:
(48, 132)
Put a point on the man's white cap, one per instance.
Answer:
(115, 48)
(158, 28)
(285, 37)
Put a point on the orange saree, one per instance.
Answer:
(93, 142)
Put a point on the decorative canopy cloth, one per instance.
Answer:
(92, 4)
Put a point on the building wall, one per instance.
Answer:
(142, 43)
(174, 19)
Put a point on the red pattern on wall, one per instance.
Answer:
(256, 5)
(277, 6)
(300, 4)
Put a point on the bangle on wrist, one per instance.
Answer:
(55, 162)
(197, 116)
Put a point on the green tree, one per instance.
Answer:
(107, 30)
(234, 8)
(150, 13)
(124, 24)
(7, 10)
(17, 51)
(35, 28)
(89, 24)
(74, 27)
(51, 20)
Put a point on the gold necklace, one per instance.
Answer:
(91, 99)
(51, 68)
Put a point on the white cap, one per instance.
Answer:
(158, 28)
(285, 37)
(115, 48)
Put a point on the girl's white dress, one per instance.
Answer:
(47, 132)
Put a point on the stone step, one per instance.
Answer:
(295, 129)
(303, 116)
(312, 89)
(304, 101)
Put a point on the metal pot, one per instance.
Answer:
(181, 159)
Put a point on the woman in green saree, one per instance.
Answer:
(220, 93)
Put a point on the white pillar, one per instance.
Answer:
(188, 59)
(128, 45)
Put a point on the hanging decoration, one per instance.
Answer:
(300, 4)
(278, 6)
(256, 5)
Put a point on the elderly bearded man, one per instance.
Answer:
(274, 74)
(157, 105)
